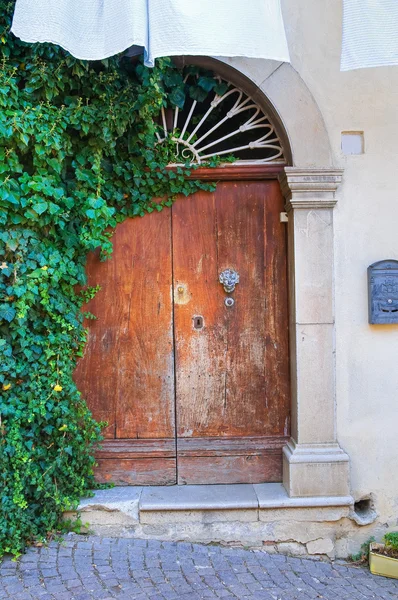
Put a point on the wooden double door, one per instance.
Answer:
(193, 390)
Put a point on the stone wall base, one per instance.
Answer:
(292, 527)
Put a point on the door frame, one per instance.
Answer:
(314, 465)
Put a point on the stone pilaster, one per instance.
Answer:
(314, 463)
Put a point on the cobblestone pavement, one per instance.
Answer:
(103, 568)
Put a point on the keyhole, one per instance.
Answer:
(198, 322)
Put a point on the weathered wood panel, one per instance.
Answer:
(145, 385)
(241, 241)
(213, 460)
(232, 375)
(232, 378)
(200, 354)
(140, 471)
(230, 460)
(136, 448)
(237, 173)
(276, 314)
(96, 375)
(230, 446)
(127, 372)
(194, 470)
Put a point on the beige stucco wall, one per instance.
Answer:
(366, 226)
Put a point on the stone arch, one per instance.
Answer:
(282, 93)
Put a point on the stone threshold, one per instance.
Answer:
(205, 498)
(256, 516)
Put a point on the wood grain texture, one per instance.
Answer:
(225, 380)
(229, 446)
(232, 376)
(230, 460)
(127, 372)
(276, 315)
(159, 448)
(200, 470)
(140, 471)
(200, 354)
(237, 172)
(97, 373)
(228, 418)
(145, 404)
(241, 245)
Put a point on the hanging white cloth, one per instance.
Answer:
(370, 34)
(250, 28)
(88, 29)
(97, 29)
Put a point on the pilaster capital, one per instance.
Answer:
(310, 188)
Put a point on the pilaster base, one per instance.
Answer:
(315, 470)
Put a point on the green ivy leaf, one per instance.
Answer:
(96, 202)
(40, 207)
(221, 88)
(198, 94)
(11, 199)
(207, 83)
(24, 138)
(7, 312)
(177, 97)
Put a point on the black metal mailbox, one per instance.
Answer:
(383, 292)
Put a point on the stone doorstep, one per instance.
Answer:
(135, 500)
(250, 515)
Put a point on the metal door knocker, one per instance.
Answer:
(228, 279)
(229, 302)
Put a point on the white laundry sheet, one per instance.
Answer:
(370, 34)
(97, 29)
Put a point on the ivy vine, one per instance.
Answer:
(78, 155)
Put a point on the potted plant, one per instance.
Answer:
(383, 558)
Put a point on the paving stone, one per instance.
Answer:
(94, 568)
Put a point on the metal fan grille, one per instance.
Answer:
(227, 125)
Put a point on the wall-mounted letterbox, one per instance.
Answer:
(383, 292)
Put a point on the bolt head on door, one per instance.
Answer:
(181, 293)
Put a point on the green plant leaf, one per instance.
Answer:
(207, 83)
(177, 97)
(7, 312)
(40, 207)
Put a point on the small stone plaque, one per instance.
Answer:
(383, 292)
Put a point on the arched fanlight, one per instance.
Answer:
(230, 124)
